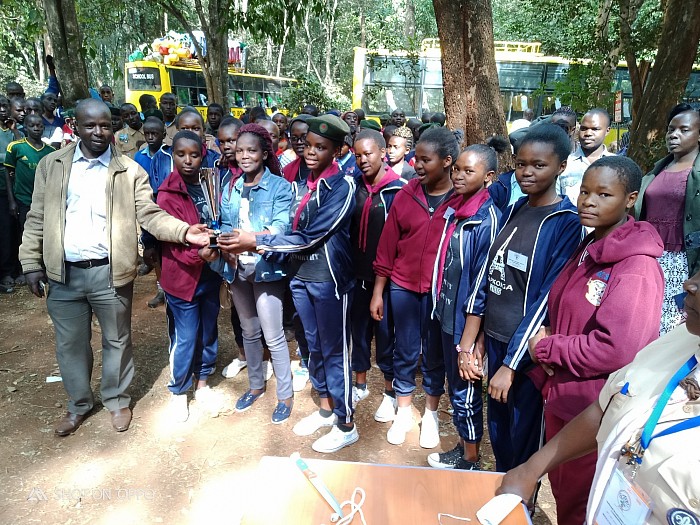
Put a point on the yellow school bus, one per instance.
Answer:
(186, 81)
(384, 80)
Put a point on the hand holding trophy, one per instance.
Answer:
(210, 182)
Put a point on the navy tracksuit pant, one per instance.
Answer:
(515, 427)
(194, 335)
(326, 326)
(363, 328)
(465, 396)
(415, 333)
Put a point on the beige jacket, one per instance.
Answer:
(670, 467)
(128, 140)
(129, 201)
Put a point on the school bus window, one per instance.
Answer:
(692, 91)
(516, 75)
(143, 79)
(433, 74)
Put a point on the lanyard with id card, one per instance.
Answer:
(624, 501)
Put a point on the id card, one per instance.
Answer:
(623, 502)
(517, 260)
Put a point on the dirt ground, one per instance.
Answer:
(157, 472)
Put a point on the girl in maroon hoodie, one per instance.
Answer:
(191, 286)
(604, 307)
(405, 256)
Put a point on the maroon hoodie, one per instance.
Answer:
(410, 239)
(181, 265)
(604, 308)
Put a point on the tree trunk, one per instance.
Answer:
(628, 13)
(363, 26)
(410, 23)
(310, 65)
(217, 53)
(41, 63)
(328, 79)
(214, 26)
(610, 52)
(287, 28)
(64, 34)
(469, 75)
(677, 48)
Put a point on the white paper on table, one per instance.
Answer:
(496, 510)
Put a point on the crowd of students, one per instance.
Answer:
(542, 280)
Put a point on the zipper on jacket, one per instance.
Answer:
(62, 215)
(110, 196)
(325, 249)
(528, 335)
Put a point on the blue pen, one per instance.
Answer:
(318, 483)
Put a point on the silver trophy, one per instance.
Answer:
(210, 182)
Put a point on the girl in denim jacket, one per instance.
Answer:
(259, 201)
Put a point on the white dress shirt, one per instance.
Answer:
(569, 182)
(85, 234)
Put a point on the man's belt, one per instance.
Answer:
(90, 263)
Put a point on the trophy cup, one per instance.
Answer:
(210, 182)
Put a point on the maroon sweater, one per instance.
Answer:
(602, 311)
(181, 266)
(410, 239)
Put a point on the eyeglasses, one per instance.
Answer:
(298, 139)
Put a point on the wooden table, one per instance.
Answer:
(396, 495)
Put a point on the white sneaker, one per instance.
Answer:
(177, 408)
(429, 433)
(387, 409)
(335, 440)
(358, 394)
(210, 401)
(313, 422)
(402, 425)
(233, 368)
(267, 370)
(300, 377)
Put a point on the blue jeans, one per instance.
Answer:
(325, 320)
(363, 328)
(194, 335)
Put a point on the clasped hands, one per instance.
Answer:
(237, 241)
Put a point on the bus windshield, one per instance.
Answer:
(143, 79)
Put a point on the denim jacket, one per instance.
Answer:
(270, 201)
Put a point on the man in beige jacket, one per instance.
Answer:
(81, 234)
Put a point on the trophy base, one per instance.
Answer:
(212, 240)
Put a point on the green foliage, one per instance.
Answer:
(308, 90)
(19, 56)
(579, 88)
(111, 31)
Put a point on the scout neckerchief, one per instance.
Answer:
(311, 186)
(372, 190)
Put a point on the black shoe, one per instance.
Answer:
(144, 269)
(463, 464)
(446, 459)
(157, 300)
